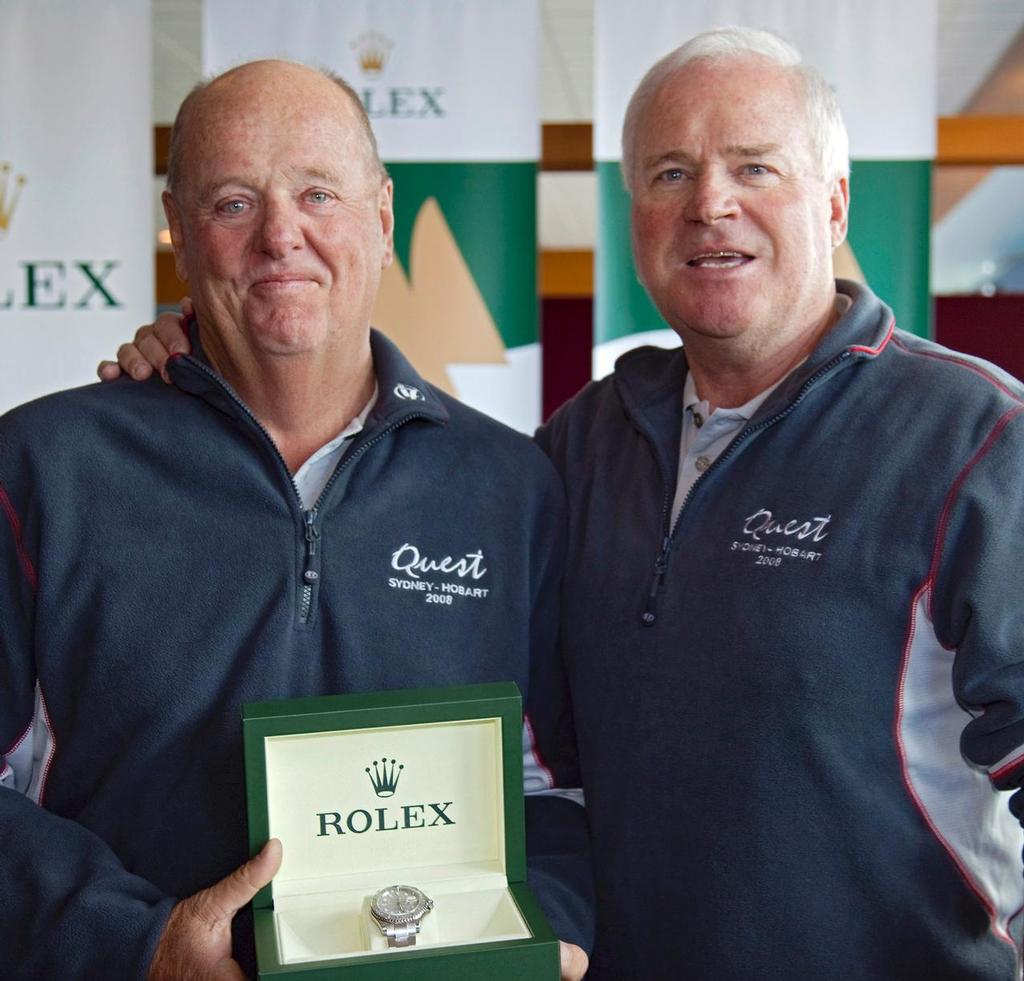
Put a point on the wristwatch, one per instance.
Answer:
(398, 911)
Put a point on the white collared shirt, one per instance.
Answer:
(705, 433)
(311, 478)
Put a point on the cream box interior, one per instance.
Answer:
(361, 809)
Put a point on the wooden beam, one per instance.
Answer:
(564, 146)
(567, 146)
(161, 144)
(169, 289)
(981, 141)
(989, 141)
(565, 273)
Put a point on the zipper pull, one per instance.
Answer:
(650, 615)
(311, 572)
(312, 532)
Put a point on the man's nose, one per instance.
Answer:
(712, 198)
(281, 229)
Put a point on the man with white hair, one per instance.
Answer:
(793, 651)
(792, 547)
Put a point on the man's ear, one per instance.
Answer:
(840, 204)
(386, 209)
(177, 235)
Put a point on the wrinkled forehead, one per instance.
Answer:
(273, 118)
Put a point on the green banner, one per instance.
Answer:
(621, 304)
(476, 199)
(890, 235)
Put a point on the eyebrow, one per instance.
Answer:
(312, 174)
(732, 150)
(670, 156)
(759, 150)
(316, 174)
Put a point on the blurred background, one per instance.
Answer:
(529, 229)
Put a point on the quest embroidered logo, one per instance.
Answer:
(441, 580)
(770, 539)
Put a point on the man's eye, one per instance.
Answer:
(756, 170)
(232, 207)
(671, 176)
(319, 197)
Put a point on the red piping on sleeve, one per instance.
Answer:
(979, 371)
(12, 516)
(52, 750)
(954, 490)
(1006, 768)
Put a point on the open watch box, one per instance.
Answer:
(401, 818)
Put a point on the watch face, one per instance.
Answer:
(400, 904)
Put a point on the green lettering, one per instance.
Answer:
(36, 283)
(364, 828)
(407, 811)
(96, 279)
(439, 810)
(328, 819)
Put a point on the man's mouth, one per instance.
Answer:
(719, 259)
(284, 282)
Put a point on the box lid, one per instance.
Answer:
(362, 787)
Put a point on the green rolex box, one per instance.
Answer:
(421, 787)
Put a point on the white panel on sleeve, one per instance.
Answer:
(27, 763)
(963, 810)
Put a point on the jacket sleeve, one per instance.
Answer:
(557, 833)
(976, 607)
(70, 909)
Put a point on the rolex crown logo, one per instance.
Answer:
(384, 776)
(372, 50)
(10, 191)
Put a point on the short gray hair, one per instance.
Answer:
(829, 139)
(181, 120)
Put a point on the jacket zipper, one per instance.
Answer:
(308, 587)
(650, 614)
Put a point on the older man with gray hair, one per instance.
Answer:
(793, 544)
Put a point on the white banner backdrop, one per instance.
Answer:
(869, 50)
(76, 185)
(441, 80)
(451, 88)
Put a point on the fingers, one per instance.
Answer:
(222, 900)
(132, 363)
(149, 352)
(196, 943)
(108, 370)
(169, 330)
(153, 345)
(574, 961)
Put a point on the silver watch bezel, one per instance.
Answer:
(424, 905)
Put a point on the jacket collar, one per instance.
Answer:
(650, 380)
(401, 392)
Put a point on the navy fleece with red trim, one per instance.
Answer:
(153, 552)
(792, 765)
